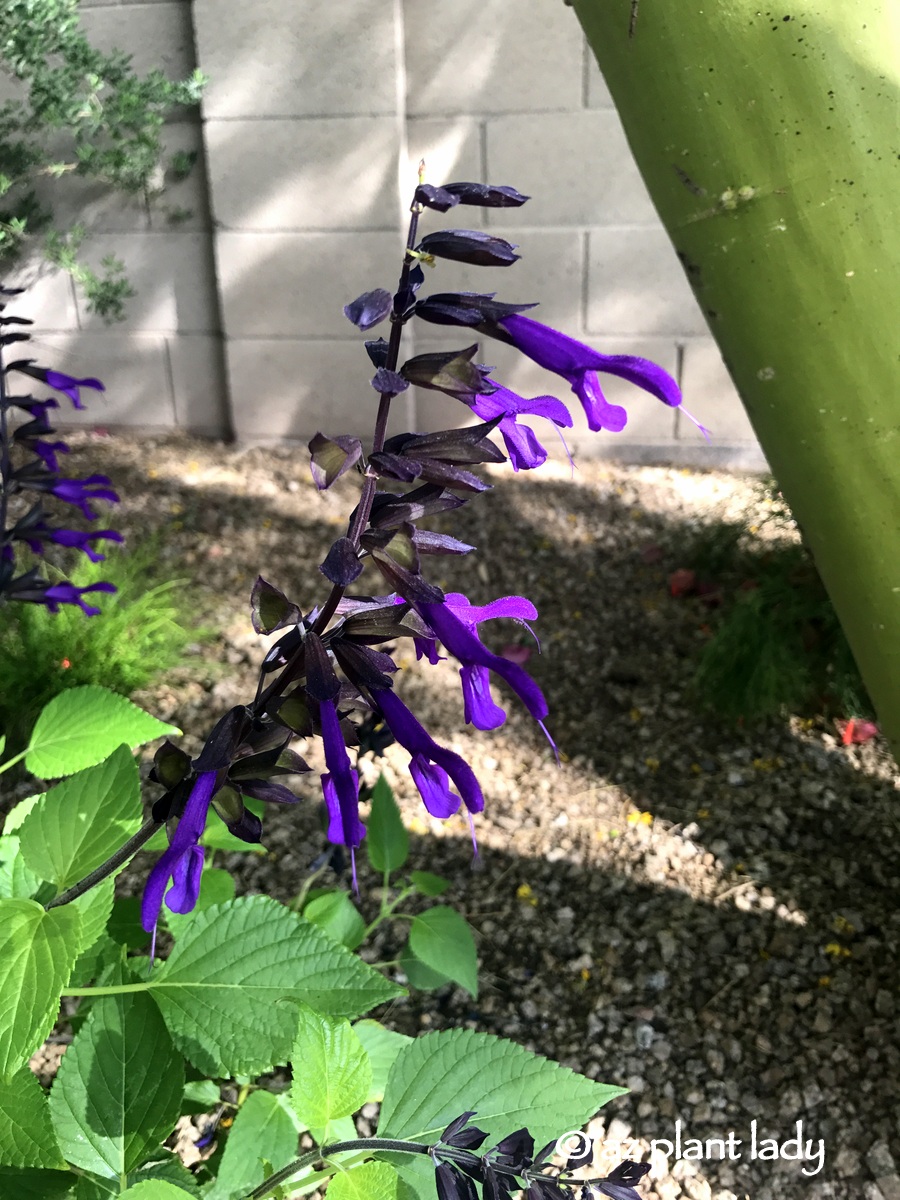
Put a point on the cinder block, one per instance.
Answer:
(649, 421)
(172, 274)
(291, 389)
(156, 35)
(134, 369)
(329, 173)
(490, 56)
(49, 300)
(636, 285)
(577, 167)
(197, 363)
(710, 396)
(452, 150)
(183, 204)
(316, 58)
(296, 284)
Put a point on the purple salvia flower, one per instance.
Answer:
(57, 380)
(72, 539)
(455, 623)
(340, 786)
(182, 861)
(579, 365)
(47, 452)
(431, 766)
(81, 491)
(68, 593)
(525, 451)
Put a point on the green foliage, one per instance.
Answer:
(332, 1071)
(387, 842)
(777, 643)
(26, 1135)
(78, 112)
(441, 939)
(137, 635)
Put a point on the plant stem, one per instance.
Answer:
(112, 989)
(107, 868)
(368, 1144)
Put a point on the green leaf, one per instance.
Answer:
(37, 949)
(507, 1086)
(422, 978)
(156, 1189)
(26, 1135)
(15, 878)
(264, 1131)
(336, 913)
(170, 1170)
(387, 842)
(443, 941)
(94, 907)
(215, 888)
(217, 836)
(82, 726)
(332, 1072)
(224, 988)
(90, 965)
(368, 1181)
(382, 1046)
(80, 822)
(124, 924)
(428, 884)
(118, 1090)
(200, 1096)
(35, 1185)
(17, 815)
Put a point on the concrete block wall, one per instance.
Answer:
(312, 125)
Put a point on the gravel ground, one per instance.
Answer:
(706, 914)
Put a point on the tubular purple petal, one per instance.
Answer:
(479, 707)
(423, 749)
(340, 786)
(177, 862)
(68, 593)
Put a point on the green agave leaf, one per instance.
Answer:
(368, 1181)
(336, 913)
(110, 1129)
(76, 825)
(35, 1185)
(382, 1046)
(440, 1075)
(332, 1072)
(38, 950)
(387, 842)
(442, 940)
(26, 1135)
(264, 1131)
(82, 726)
(225, 989)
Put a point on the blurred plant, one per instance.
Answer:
(82, 113)
(138, 635)
(776, 640)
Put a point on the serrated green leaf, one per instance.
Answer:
(35, 1185)
(507, 1086)
(26, 1135)
(17, 815)
(264, 1131)
(82, 726)
(443, 941)
(225, 988)
(94, 907)
(336, 913)
(216, 887)
(387, 842)
(332, 1072)
(38, 950)
(382, 1046)
(368, 1181)
(428, 884)
(124, 925)
(90, 965)
(76, 825)
(16, 881)
(155, 1189)
(217, 836)
(110, 1129)
(169, 1170)
(420, 977)
(200, 1095)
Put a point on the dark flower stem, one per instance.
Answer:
(4, 447)
(122, 855)
(368, 1144)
